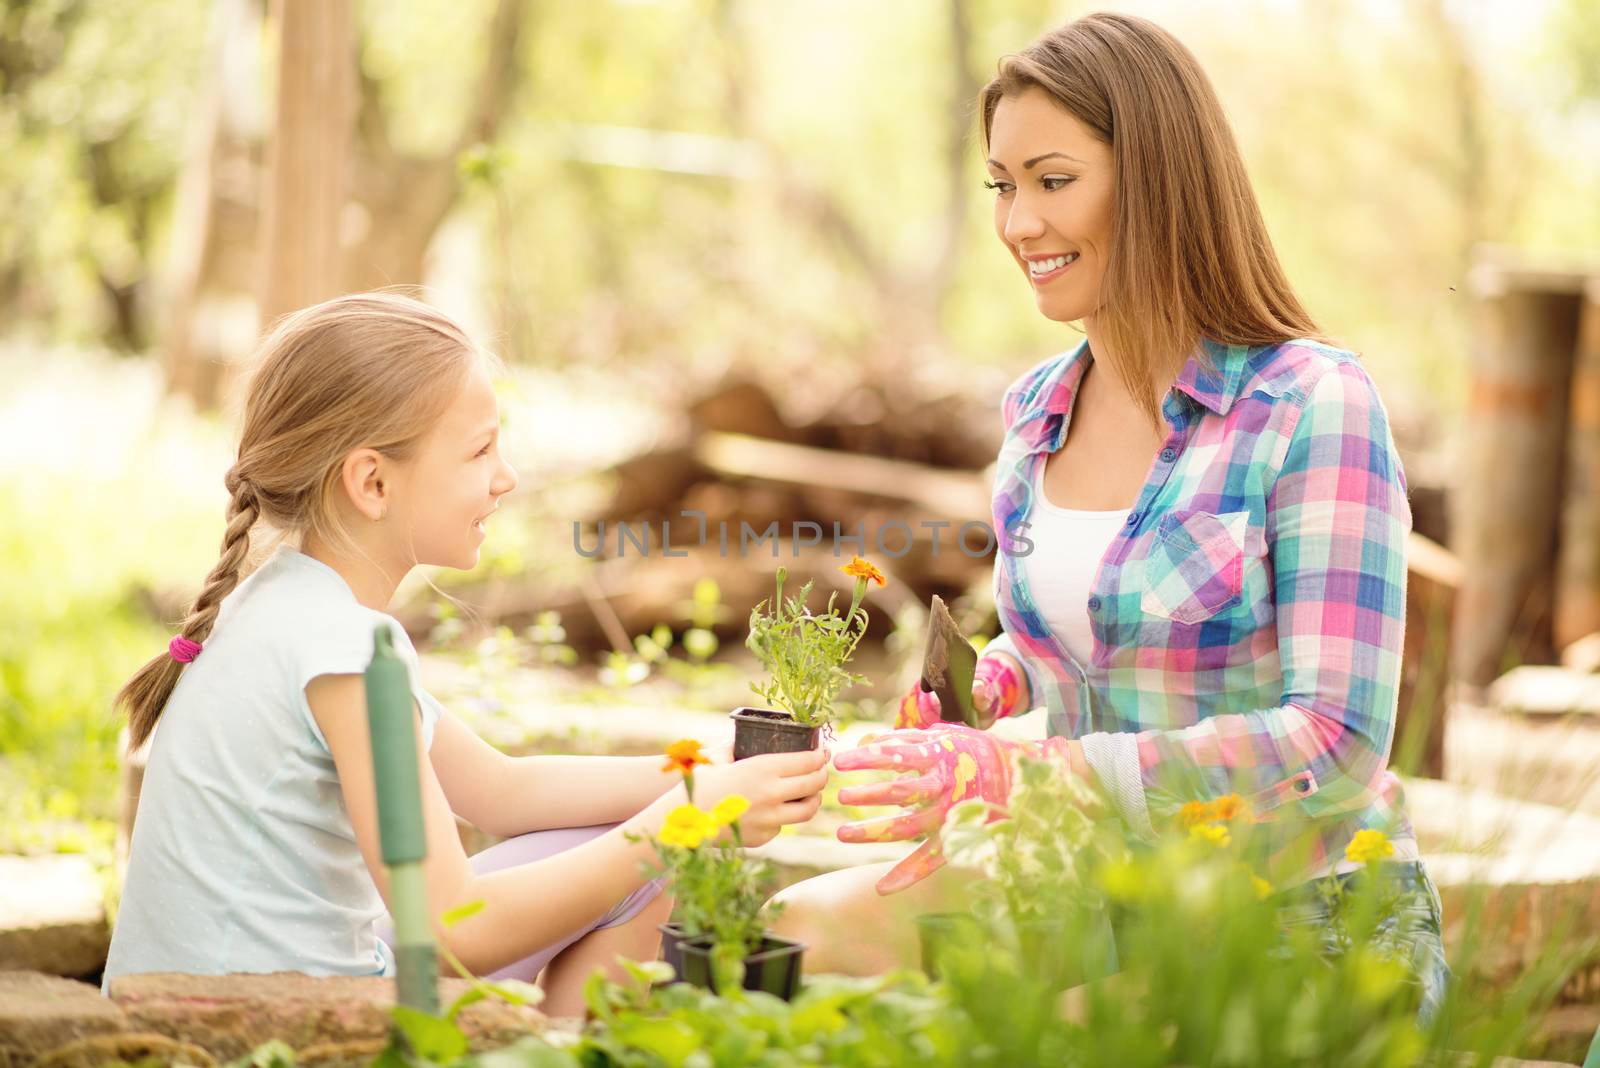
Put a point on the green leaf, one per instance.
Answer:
(670, 1039)
(271, 1054)
(515, 991)
(646, 973)
(451, 917)
(431, 1037)
(527, 1053)
(471, 996)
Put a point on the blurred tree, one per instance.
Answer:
(307, 154)
(397, 195)
(663, 189)
(90, 126)
(1575, 40)
(403, 196)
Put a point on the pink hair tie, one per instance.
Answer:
(183, 650)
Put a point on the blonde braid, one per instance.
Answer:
(147, 692)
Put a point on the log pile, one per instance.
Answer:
(746, 486)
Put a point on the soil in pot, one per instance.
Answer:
(764, 730)
(774, 968)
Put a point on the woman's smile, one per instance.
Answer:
(1042, 270)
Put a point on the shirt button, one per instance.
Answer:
(1094, 604)
(1168, 455)
(1133, 517)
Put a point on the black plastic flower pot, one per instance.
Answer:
(774, 968)
(763, 730)
(672, 947)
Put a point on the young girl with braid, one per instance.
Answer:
(370, 445)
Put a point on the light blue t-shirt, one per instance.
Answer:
(243, 858)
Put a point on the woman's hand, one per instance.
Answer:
(782, 788)
(919, 709)
(950, 762)
(996, 693)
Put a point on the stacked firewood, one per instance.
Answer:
(745, 487)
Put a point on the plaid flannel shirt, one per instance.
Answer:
(1249, 616)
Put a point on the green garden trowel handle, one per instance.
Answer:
(400, 827)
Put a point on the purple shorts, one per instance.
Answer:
(527, 848)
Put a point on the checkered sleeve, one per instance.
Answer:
(1337, 522)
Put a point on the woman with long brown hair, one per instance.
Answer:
(1213, 600)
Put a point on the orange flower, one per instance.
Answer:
(1194, 813)
(1229, 807)
(861, 569)
(683, 756)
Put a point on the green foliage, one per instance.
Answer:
(1043, 856)
(717, 887)
(899, 1019)
(1209, 974)
(76, 579)
(804, 654)
(95, 105)
(652, 652)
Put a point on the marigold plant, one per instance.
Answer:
(805, 653)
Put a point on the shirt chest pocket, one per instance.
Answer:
(1195, 567)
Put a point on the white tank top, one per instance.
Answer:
(1068, 545)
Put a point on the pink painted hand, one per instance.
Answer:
(950, 762)
(996, 693)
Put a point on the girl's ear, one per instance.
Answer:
(363, 478)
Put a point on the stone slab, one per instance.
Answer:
(1553, 759)
(229, 1015)
(52, 916)
(40, 1013)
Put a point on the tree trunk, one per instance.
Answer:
(308, 154)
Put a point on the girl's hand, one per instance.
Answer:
(719, 754)
(782, 788)
(951, 761)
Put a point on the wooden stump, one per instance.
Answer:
(1577, 607)
(1508, 507)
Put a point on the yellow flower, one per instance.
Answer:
(861, 569)
(687, 826)
(729, 809)
(1194, 813)
(683, 756)
(1368, 846)
(1215, 833)
(1229, 807)
(1263, 888)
